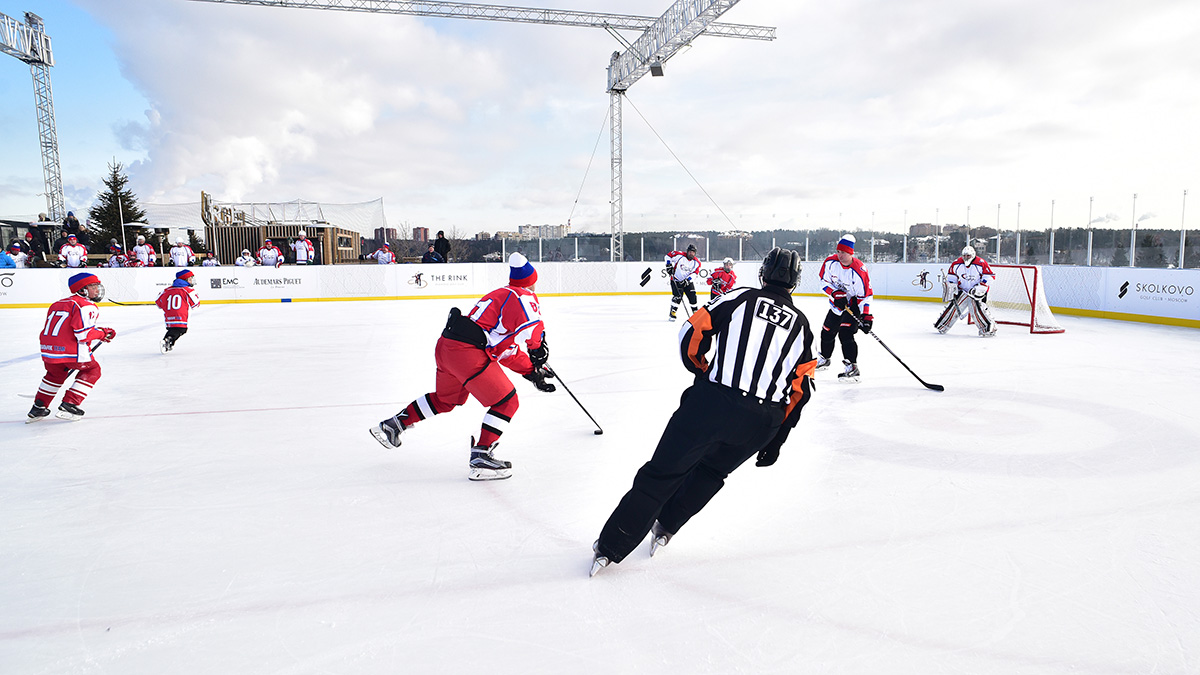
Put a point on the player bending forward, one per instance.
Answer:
(966, 291)
(742, 403)
(500, 328)
(66, 348)
(722, 280)
(845, 280)
(176, 301)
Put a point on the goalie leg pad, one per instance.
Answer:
(982, 314)
(947, 319)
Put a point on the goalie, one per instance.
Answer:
(966, 290)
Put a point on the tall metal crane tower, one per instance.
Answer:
(29, 43)
(660, 39)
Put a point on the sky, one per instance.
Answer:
(864, 114)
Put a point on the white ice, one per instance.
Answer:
(223, 509)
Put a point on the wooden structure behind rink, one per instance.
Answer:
(228, 230)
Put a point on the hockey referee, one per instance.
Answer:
(742, 403)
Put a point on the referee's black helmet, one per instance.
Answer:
(781, 267)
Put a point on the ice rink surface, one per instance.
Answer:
(222, 509)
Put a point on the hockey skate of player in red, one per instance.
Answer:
(504, 328)
(176, 301)
(66, 348)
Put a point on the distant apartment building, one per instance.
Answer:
(921, 230)
(482, 236)
(507, 235)
(385, 234)
(545, 231)
(420, 234)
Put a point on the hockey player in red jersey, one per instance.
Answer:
(845, 280)
(66, 347)
(722, 280)
(504, 328)
(176, 301)
(966, 292)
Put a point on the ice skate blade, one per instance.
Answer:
(657, 543)
(31, 420)
(489, 474)
(381, 436)
(598, 563)
(64, 415)
(853, 379)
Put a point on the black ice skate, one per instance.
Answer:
(69, 412)
(388, 432)
(599, 561)
(37, 412)
(851, 374)
(673, 310)
(659, 537)
(165, 345)
(486, 467)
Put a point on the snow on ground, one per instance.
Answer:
(222, 509)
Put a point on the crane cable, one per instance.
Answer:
(589, 167)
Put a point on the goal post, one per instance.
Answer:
(1018, 298)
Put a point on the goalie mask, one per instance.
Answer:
(781, 267)
(968, 254)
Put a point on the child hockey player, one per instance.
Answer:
(176, 301)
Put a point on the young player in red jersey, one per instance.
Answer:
(722, 280)
(504, 328)
(66, 347)
(175, 302)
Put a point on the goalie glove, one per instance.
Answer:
(538, 377)
(979, 292)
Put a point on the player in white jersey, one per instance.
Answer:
(383, 255)
(270, 255)
(245, 260)
(181, 254)
(682, 266)
(20, 258)
(72, 254)
(303, 249)
(966, 292)
(211, 260)
(144, 252)
(845, 280)
(117, 257)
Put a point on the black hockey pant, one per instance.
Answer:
(839, 326)
(174, 333)
(679, 289)
(712, 433)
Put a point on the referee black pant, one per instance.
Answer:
(712, 433)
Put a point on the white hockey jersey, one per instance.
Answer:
(182, 256)
(270, 255)
(681, 268)
(245, 261)
(145, 253)
(304, 251)
(73, 256)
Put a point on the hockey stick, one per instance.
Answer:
(935, 387)
(553, 374)
(69, 372)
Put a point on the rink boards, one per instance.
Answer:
(1148, 295)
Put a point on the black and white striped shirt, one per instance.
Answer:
(760, 344)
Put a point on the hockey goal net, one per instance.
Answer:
(1017, 297)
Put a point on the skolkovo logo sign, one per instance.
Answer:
(1168, 292)
(1124, 290)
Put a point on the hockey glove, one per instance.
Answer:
(867, 322)
(538, 378)
(109, 334)
(839, 299)
(980, 292)
(539, 355)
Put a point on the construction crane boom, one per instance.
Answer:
(464, 10)
(29, 43)
(660, 39)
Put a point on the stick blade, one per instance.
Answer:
(935, 387)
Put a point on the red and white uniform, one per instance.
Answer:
(176, 302)
(70, 327)
(74, 255)
(304, 251)
(118, 260)
(20, 259)
(512, 320)
(682, 269)
(383, 255)
(852, 280)
(181, 255)
(721, 281)
(967, 276)
(145, 254)
(270, 255)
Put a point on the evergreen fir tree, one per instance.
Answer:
(105, 217)
(1120, 257)
(1149, 253)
